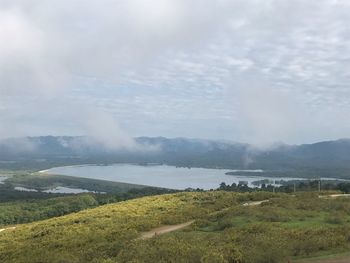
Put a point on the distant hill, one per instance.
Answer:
(323, 159)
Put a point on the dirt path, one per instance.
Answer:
(164, 229)
(334, 196)
(340, 260)
(335, 260)
(339, 195)
(255, 203)
(3, 229)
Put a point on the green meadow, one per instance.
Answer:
(287, 227)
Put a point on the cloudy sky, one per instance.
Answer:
(251, 71)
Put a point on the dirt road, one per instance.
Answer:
(339, 195)
(3, 229)
(164, 229)
(343, 260)
(254, 203)
(335, 260)
(334, 196)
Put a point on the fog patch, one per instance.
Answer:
(18, 145)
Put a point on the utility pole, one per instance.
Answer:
(319, 185)
(294, 188)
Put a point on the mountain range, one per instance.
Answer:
(322, 159)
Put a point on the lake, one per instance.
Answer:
(57, 190)
(2, 179)
(161, 175)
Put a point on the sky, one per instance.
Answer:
(256, 71)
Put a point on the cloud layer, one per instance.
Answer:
(256, 71)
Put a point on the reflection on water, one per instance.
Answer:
(66, 190)
(2, 179)
(24, 189)
(58, 190)
(161, 175)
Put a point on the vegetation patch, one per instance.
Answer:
(223, 231)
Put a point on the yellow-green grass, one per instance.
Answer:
(286, 227)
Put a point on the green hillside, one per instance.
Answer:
(224, 230)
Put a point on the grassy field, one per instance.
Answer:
(28, 206)
(286, 227)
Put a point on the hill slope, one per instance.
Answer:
(224, 230)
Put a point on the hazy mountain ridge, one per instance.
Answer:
(328, 158)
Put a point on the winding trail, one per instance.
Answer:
(164, 229)
(8, 228)
(170, 228)
(255, 203)
(334, 196)
(342, 259)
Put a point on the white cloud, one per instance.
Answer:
(176, 67)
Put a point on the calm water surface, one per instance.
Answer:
(2, 179)
(68, 190)
(160, 175)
